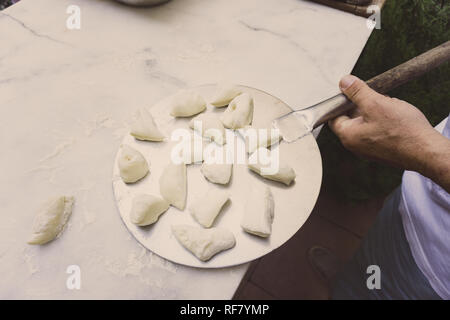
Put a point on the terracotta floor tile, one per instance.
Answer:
(286, 272)
(246, 278)
(250, 291)
(355, 217)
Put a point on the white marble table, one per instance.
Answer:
(66, 97)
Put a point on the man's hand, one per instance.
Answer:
(392, 131)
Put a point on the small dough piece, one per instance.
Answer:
(207, 208)
(190, 151)
(187, 103)
(239, 112)
(51, 219)
(285, 173)
(145, 128)
(259, 138)
(146, 209)
(204, 243)
(173, 185)
(259, 212)
(224, 94)
(132, 164)
(211, 127)
(217, 173)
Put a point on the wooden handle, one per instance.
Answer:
(358, 9)
(411, 69)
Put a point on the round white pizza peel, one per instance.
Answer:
(293, 204)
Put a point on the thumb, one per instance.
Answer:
(358, 92)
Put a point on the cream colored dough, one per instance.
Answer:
(285, 174)
(224, 94)
(51, 219)
(211, 127)
(144, 127)
(257, 138)
(173, 185)
(189, 151)
(186, 103)
(204, 243)
(147, 208)
(259, 212)
(239, 112)
(132, 164)
(217, 173)
(207, 208)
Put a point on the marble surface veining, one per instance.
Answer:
(66, 98)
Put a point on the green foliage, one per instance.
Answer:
(408, 28)
(6, 3)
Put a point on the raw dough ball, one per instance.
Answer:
(204, 243)
(239, 112)
(144, 127)
(217, 173)
(224, 94)
(172, 185)
(285, 173)
(51, 219)
(187, 103)
(132, 165)
(259, 212)
(146, 209)
(211, 127)
(206, 209)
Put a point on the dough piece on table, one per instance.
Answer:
(204, 243)
(187, 103)
(51, 219)
(239, 112)
(132, 164)
(146, 209)
(211, 127)
(217, 173)
(145, 128)
(206, 209)
(224, 94)
(259, 138)
(285, 174)
(259, 212)
(173, 185)
(189, 151)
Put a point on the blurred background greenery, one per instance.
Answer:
(6, 3)
(408, 28)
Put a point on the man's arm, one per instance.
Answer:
(392, 131)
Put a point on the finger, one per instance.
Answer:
(354, 113)
(359, 92)
(345, 127)
(338, 124)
